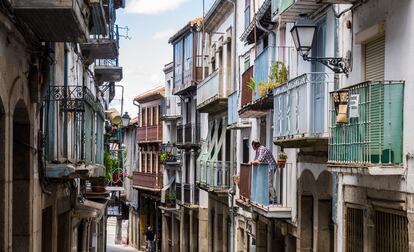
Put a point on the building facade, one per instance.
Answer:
(52, 123)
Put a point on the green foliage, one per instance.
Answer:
(251, 84)
(278, 76)
(166, 155)
(282, 156)
(170, 197)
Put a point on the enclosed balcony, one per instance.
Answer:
(301, 112)
(99, 24)
(188, 135)
(274, 200)
(170, 108)
(102, 47)
(151, 133)
(214, 175)
(187, 194)
(187, 79)
(371, 136)
(107, 70)
(55, 21)
(148, 181)
(212, 94)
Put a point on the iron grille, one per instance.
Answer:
(71, 98)
(391, 231)
(354, 230)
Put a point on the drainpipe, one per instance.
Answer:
(234, 86)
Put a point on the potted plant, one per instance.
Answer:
(98, 184)
(170, 199)
(281, 160)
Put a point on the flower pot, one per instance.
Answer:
(281, 163)
(98, 185)
(116, 178)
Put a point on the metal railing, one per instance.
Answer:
(180, 134)
(276, 194)
(261, 69)
(300, 106)
(192, 133)
(173, 155)
(233, 108)
(72, 98)
(214, 174)
(374, 131)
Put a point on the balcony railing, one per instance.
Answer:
(71, 98)
(187, 79)
(233, 108)
(149, 133)
(172, 154)
(261, 69)
(170, 108)
(148, 180)
(272, 200)
(62, 21)
(212, 94)
(245, 182)
(107, 70)
(214, 175)
(246, 92)
(188, 194)
(103, 47)
(373, 135)
(301, 112)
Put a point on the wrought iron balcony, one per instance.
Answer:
(372, 137)
(151, 181)
(212, 93)
(278, 203)
(151, 133)
(71, 98)
(57, 21)
(301, 114)
(171, 155)
(170, 108)
(214, 175)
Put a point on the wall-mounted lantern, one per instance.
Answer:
(303, 34)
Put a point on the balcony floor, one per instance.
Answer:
(108, 73)
(212, 106)
(300, 141)
(273, 211)
(371, 170)
(100, 49)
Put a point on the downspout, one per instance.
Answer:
(272, 43)
(234, 86)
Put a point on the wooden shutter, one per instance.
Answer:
(374, 59)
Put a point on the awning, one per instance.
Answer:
(166, 187)
(89, 209)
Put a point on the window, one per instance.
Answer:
(375, 59)
(391, 232)
(143, 116)
(246, 13)
(178, 63)
(354, 230)
(188, 58)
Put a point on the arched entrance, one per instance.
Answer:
(21, 179)
(2, 174)
(307, 185)
(325, 222)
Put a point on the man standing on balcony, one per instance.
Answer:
(265, 156)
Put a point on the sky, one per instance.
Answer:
(143, 55)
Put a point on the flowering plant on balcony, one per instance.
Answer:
(170, 199)
(281, 160)
(167, 156)
(278, 76)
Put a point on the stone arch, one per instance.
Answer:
(325, 234)
(21, 177)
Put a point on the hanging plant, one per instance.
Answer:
(281, 160)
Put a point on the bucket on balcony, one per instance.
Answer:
(114, 116)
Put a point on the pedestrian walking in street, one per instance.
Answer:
(265, 156)
(150, 239)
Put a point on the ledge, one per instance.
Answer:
(371, 170)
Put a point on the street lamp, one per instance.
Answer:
(125, 119)
(303, 33)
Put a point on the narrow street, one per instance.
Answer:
(110, 244)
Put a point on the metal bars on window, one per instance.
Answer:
(354, 230)
(391, 232)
